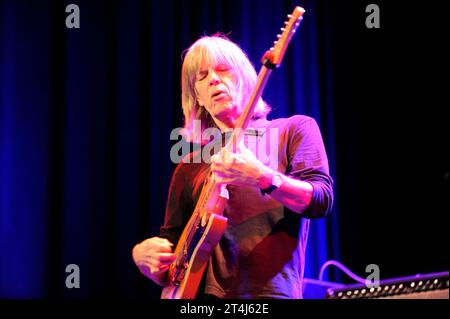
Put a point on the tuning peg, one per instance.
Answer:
(282, 29)
(289, 16)
(278, 36)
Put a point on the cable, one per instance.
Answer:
(347, 271)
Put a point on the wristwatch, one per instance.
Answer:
(276, 183)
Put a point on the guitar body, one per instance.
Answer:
(209, 238)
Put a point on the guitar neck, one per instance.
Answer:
(247, 114)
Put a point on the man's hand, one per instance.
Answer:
(241, 168)
(153, 257)
(245, 169)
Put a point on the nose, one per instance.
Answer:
(214, 79)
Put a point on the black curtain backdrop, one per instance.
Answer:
(86, 115)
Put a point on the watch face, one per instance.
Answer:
(276, 180)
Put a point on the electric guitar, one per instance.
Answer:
(207, 223)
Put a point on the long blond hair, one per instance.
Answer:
(216, 49)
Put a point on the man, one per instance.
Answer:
(271, 199)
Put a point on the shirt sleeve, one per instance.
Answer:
(179, 206)
(308, 162)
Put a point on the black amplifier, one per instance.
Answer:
(428, 286)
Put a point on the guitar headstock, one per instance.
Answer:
(276, 53)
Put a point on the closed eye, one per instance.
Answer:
(219, 69)
(201, 75)
(222, 68)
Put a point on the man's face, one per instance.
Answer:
(216, 87)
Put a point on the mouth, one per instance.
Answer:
(218, 95)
